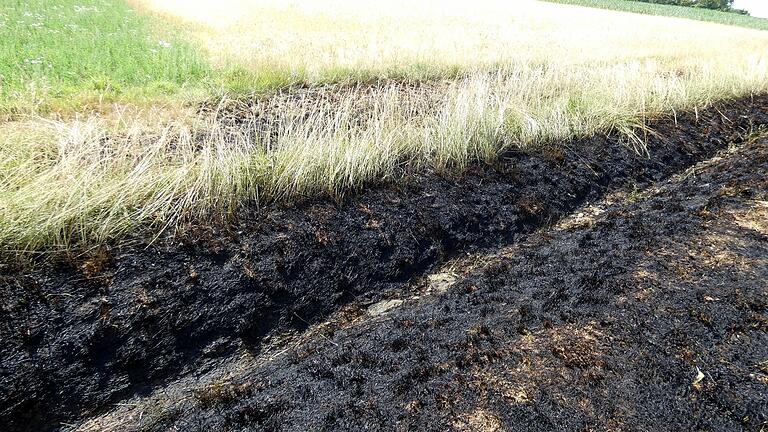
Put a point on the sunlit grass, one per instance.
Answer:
(276, 42)
(63, 54)
(442, 88)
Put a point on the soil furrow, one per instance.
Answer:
(81, 335)
(650, 314)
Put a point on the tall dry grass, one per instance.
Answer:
(94, 180)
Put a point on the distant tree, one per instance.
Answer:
(724, 5)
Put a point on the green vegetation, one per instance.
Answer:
(63, 54)
(694, 13)
(723, 5)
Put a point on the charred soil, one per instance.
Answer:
(649, 312)
(604, 325)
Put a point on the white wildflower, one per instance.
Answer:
(80, 9)
(164, 44)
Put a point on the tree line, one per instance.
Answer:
(723, 5)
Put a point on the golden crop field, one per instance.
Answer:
(317, 39)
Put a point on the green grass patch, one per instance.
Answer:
(694, 13)
(67, 53)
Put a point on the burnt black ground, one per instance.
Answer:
(80, 336)
(652, 316)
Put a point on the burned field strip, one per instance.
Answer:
(651, 315)
(83, 335)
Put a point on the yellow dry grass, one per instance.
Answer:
(315, 39)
